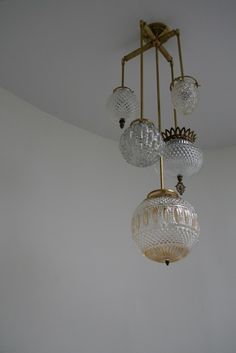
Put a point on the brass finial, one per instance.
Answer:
(180, 187)
(122, 123)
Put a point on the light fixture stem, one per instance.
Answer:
(159, 113)
(158, 90)
(172, 80)
(161, 173)
(141, 69)
(180, 53)
(122, 73)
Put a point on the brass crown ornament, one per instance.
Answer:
(175, 133)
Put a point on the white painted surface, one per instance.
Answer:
(63, 56)
(71, 280)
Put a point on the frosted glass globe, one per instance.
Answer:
(141, 144)
(165, 227)
(122, 105)
(181, 157)
(184, 94)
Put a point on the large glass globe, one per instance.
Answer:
(141, 143)
(165, 227)
(122, 105)
(181, 157)
(184, 94)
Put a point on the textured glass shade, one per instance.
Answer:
(184, 95)
(122, 105)
(181, 157)
(141, 144)
(165, 227)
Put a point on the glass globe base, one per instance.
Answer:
(165, 254)
(174, 243)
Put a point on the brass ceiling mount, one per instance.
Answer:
(158, 29)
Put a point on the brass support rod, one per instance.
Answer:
(162, 174)
(180, 53)
(149, 32)
(166, 36)
(158, 90)
(163, 51)
(141, 69)
(172, 79)
(159, 113)
(137, 52)
(122, 73)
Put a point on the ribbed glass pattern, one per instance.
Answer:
(165, 228)
(141, 144)
(185, 95)
(122, 104)
(181, 157)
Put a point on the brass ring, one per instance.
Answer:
(180, 78)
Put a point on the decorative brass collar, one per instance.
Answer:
(162, 193)
(115, 89)
(177, 133)
(144, 120)
(180, 78)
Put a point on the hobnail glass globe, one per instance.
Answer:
(122, 105)
(184, 94)
(165, 227)
(181, 157)
(141, 143)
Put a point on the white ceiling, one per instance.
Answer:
(63, 56)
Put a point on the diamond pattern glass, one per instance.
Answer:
(185, 95)
(165, 228)
(141, 144)
(122, 105)
(181, 157)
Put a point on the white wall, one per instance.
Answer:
(71, 280)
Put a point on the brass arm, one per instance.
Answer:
(154, 42)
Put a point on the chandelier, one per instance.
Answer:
(164, 226)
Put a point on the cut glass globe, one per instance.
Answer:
(184, 94)
(141, 143)
(181, 157)
(165, 227)
(122, 105)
